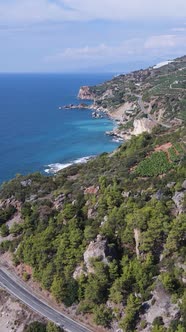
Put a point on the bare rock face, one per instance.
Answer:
(10, 201)
(85, 93)
(26, 183)
(178, 200)
(96, 249)
(184, 184)
(78, 272)
(143, 125)
(58, 202)
(161, 305)
(137, 234)
(91, 190)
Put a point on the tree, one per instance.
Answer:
(58, 289)
(35, 327)
(158, 321)
(51, 327)
(4, 230)
(131, 314)
(103, 315)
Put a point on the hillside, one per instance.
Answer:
(153, 96)
(108, 238)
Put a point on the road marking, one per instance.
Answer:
(46, 310)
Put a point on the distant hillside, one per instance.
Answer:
(157, 94)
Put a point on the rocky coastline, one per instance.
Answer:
(85, 93)
(74, 106)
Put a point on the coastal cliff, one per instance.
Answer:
(85, 93)
(140, 100)
(143, 125)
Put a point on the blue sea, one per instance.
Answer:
(35, 135)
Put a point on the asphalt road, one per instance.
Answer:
(38, 306)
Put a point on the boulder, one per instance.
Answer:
(178, 200)
(96, 249)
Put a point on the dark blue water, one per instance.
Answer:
(34, 133)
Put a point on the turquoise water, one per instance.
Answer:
(35, 135)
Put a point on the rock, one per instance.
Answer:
(90, 213)
(178, 200)
(171, 184)
(58, 202)
(26, 183)
(91, 190)
(137, 234)
(143, 125)
(32, 198)
(96, 249)
(126, 194)
(161, 305)
(85, 93)
(78, 272)
(158, 195)
(105, 219)
(10, 201)
(184, 184)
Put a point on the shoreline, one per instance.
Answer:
(116, 118)
(54, 168)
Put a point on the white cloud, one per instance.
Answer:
(154, 46)
(179, 29)
(19, 11)
(164, 41)
(100, 52)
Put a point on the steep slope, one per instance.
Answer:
(153, 96)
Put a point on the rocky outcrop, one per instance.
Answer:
(80, 270)
(96, 249)
(10, 201)
(178, 200)
(91, 190)
(160, 306)
(26, 183)
(58, 202)
(85, 93)
(184, 184)
(143, 125)
(137, 234)
(74, 106)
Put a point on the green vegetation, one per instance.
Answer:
(164, 88)
(41, 327)
(52, 241)
(173, 155)
(141, 228)
(6, 213)
(154, 165)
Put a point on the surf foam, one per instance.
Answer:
(56, 167)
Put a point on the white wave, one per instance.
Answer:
(117, 140)
(54, 168)
(161, 64)
(83, 160)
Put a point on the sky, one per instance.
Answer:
(89, 35)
